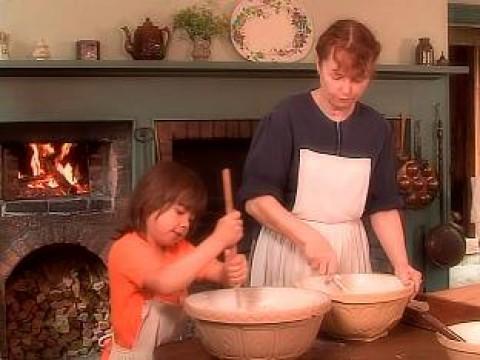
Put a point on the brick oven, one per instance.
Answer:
(63, 188)
(207, 147)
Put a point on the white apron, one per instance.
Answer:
(331, 196)
(161, 323)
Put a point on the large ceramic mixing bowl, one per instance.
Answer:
(257, 323)
(468, 350)
(364, 306)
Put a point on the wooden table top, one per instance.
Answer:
(403, 343)
(455, 305)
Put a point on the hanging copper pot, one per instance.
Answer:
(417, 180)
(418, 183)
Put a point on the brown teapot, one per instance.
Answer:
(149, 41)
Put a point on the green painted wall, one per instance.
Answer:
(464, 14)
(224, 94)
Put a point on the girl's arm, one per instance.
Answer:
(232, 272)
(181, 273)
(269, 212)
(213, 272)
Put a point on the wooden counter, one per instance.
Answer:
(403, 343)
(455, 305)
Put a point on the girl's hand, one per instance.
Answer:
(320, 255)
(409, 275)
(229, 229)
(235, 268)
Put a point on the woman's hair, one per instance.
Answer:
(358, 47)
(165, 184)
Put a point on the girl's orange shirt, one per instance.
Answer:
(130, 259)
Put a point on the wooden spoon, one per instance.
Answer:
(228, 196)
(421, 309)
(228, 199)
(403, 133)
(337, 281)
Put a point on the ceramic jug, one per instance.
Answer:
(424, 54)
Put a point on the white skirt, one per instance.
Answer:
(276, 261)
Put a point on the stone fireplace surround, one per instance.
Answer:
(88, 220)
(145, 96)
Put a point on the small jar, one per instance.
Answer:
(424, 52)
(4, 52)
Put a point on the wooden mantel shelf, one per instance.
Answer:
(140, 68)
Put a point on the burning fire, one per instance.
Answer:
(52, 169)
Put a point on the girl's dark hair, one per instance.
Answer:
(355, 40)
(165, 184)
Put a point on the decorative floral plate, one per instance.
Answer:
(271, 30)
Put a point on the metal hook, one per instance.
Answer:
(143, 134)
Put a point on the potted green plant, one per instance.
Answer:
(200, 24)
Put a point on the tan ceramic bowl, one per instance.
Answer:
(366, 309)
(468, 350)
(257, 323)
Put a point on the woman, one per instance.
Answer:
(319, 162)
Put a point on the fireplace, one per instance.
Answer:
(46, 169)
(63, 168)
(64, 187)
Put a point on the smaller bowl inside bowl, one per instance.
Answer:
(468, 350)
(365, 307)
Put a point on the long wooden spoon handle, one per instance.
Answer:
(403, 127)
(228, 196)
(442, 328)
(227, 190)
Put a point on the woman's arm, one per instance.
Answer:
(269, 212)
(389, 230)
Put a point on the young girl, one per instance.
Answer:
(151, 265)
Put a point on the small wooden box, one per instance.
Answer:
(88, 50)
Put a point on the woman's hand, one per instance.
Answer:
(235, 268)
(409, 275)
(229, 229)
(320, 255)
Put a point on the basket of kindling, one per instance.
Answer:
(257, 323)
(364, 306)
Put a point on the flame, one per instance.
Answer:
(67, 169)
(43, 155)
